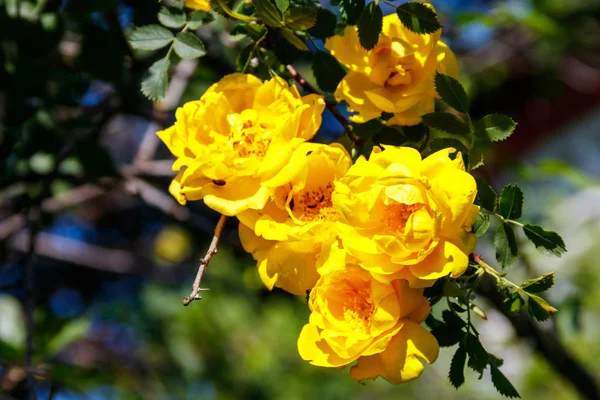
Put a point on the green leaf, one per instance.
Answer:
(268, 12)
(513, 302)
(444, 143)
(325, 25)
(446, 122)
(154, 86)
(199, 18)
(540, 284)
(345, 141)
(486, 195)
(447, 336)
(367, 129)
(350, 10)
(327, 71)
(495, 127)
(478, 357)
(511, 202)
(452, 92)
(171, 17)
(502, 384)
(457, 368)
(506, 245)
(369, 25)
(286, 52)
(282, 5)
(392, 135)
(481, 225)
(293, 39)
(452, 319)
(539, 308)
(150, 37)
(300, 18)
(418, 18)
(218, 7)
(177, 4)
(188, 46)
(543, 240)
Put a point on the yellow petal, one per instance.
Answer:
(347, 50)
(400, 362)
(446, 259)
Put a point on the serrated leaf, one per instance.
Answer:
(539, 284)
(150, 37)
(369, 25)
(178, 4)
(325, 25)
(486, 195)
(172, 17)
(367, 129)
(452, 92)
(478, 164)
(452, 320)
(543, 240)
(293, 39)
(282, 5)
(154, 86)
(300, 18)
(539, 308)
(495, 127)
(392, 135)
(327, 71)
(268, 13)
(457, 368)
(447, 336)
(188, 46)
(513, 303)
(502, 384)
(433, 323)
(418, 18)
(444, 143)
(199, 18)
(506, 245)
(511, 202)
(219, 6)
(446, 122)
(351, 9)
(481, 225)
(478, 357)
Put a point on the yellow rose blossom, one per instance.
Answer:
(289, 265)
(202, 5)
(285, 236)
(240, 134)
(354, 317)
(396, 76)
(407, 217)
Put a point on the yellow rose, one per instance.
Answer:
(297, 219)
(396, 76)
(354, 317)
(202, 5)
(240, 134)
(408, 218)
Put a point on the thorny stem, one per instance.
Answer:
(212, 250)
(330, 106)
(491, 271)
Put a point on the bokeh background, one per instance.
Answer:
(93, 309)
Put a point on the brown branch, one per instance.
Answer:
(545, 341)
(212, 250)
(330, 106)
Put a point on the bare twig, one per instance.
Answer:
(330, 106)
(212, 250)
(29, 286)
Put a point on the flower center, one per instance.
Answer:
(311, 205)
(397, 215)
(247, 136)
(358, 309)
(391, 63)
